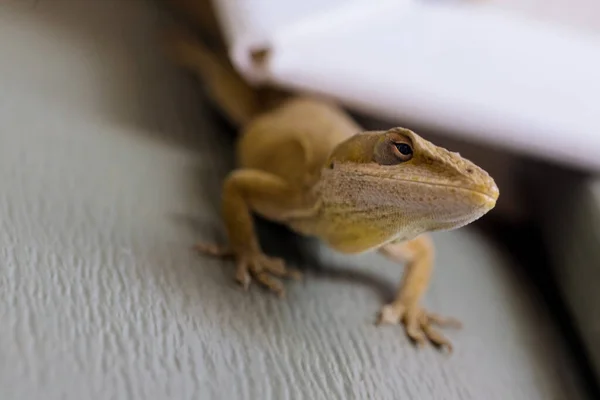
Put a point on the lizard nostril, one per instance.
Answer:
(470, 170)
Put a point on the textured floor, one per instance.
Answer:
(109, 171)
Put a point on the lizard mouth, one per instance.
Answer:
(489, 194)
(481, 197)
(486, 194)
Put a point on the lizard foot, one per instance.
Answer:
(418, 324)
(264, 269)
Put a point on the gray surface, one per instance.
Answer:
(571, 218)
(109, 171)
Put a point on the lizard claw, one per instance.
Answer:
(260, 267)
(214, 250)
(418, 324)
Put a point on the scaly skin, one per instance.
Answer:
(306, 164)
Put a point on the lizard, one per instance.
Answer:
(304, 162)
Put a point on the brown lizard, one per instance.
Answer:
(304, 162)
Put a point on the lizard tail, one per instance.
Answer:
(239, 101)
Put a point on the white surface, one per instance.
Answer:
(471, 68)
(107, 162)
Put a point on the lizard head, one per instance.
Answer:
(411, 185)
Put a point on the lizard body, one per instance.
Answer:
(304, 162)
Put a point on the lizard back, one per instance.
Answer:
(294, 139)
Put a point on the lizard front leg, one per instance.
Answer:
(418, 254)
(246, 190)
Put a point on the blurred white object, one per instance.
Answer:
(471, 68)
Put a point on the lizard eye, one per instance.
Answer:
(403, 151)
(394, 147)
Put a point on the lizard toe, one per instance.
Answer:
(269, 282)
(390, 314)
(242, 275)
(214, 250)
(433, 335)
(277, 267)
